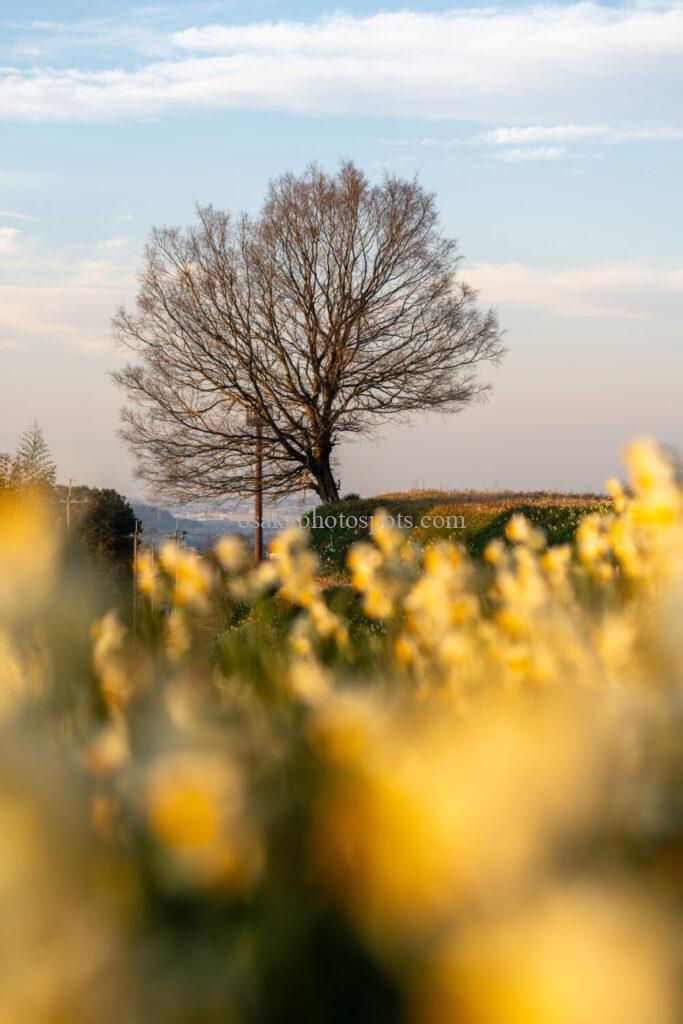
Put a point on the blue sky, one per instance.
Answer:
(552, 135)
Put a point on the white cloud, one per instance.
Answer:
(8, 237)
(526, 135)
(12, 346)
(66, 305)
(612, 291)
(531, 153)
(577, 133)
(110, 244)
(141, 30)
(11, 215)
(529, 65)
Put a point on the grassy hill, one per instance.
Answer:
(472, 518)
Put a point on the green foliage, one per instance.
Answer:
(331, 542)
(32, 465)
(5, 471)
(106, 526)
(485, 518)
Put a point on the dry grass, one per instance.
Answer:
(492, 498)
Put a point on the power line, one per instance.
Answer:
(69, 501)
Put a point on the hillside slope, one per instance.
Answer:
(472, 518)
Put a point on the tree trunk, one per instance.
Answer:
(326, 485)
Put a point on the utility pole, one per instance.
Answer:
(69, 501)
(176, 535)
(254, 420)
(135, 537)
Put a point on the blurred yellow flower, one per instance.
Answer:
(116, 681)
(432, 814)
(520, 531)
(190, 575)
(477, 774)
(110, 749)
(575, 955)
(196, 811)
(231, 554)
(28, 554)
(148, 576)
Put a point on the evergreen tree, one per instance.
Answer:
(33, 465)
(5, 471)
(107, 524)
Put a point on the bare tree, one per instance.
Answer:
(338, 306)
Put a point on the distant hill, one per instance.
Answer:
(157, 523)
(200, 529)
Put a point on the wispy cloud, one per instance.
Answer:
(521, 141)
(12, 346)
(577, 133)
(516, 65)
(11, 215)
(143, 30)
(111, 244)
(68, 305)
(622, 292)
(8, 237)
(531, 153)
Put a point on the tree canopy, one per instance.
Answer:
(31, 465)
(107, 523)
(337, 307)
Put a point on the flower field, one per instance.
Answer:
(447, 793)
(471, 518)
